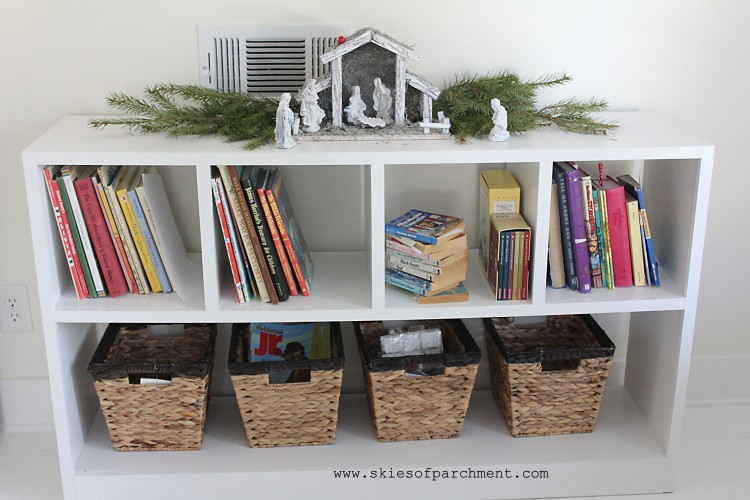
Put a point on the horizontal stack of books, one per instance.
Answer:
(113, 223)
(599, 232)
(427, 254)
(267, 253)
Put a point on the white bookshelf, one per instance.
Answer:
(343, 193)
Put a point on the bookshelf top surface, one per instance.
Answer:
(641, 135)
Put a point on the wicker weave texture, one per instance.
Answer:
(294, 414)
(409, 408)
(535, 402)
(154, 417)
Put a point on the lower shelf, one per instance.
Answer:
(620, 456)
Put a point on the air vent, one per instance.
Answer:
(264, 60)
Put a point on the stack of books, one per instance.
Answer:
(427, 254)
(265, 247)
(599, 232)
(117, 230)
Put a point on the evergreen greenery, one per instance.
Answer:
(194, 110)
(467, 103)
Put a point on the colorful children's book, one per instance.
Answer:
(426, 227)
(289, 342)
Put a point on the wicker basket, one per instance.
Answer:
(291, 414)
(143, 416)
(419, 407)
(548, 378)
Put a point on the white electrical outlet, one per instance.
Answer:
(15, 315)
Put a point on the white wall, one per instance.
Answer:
(682, 58)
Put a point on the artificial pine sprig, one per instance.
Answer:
(467, 103)
(194, 110)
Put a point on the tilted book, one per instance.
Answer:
(619, 240)
(636, 242)
(577, 228)
(290, 231)
(425, 227)
(71, 256)
(233, 261)
(102, 243)
(634, 188)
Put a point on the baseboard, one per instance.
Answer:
(719, 380)
(26, 405)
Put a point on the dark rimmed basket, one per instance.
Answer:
(427, 407)
(548, 378)
(154, 417)
(293, 414)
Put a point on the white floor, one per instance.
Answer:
(714, 462)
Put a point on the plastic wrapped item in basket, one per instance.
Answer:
(152, 382)
(287, 403)
(549, 377)
(419, 396)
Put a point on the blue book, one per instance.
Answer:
(577, 228)
(161, 273)
(426, 227)
(633, 187)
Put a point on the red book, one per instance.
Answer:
(276, 238)
(106, 255)
(619, 239)
(61, 217)
(227, 239)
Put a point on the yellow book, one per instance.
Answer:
(130, 176)
(636, 245)
(499, 193)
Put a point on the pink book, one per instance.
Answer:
(619, 239)
(104, 248)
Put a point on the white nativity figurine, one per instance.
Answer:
(499, 132)
(284, 123)
(356, 108)
(311, 113)
(382, 101)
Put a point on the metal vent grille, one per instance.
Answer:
(275, 66)
(264, 60)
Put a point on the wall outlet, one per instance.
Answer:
(15, 315)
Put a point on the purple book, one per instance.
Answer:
(577, 227)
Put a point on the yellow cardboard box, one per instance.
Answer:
(499, 193)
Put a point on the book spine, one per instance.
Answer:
(286, 267)
(101, 241)
(89, 282)
(115, 235)
(607, 244)
(507, 248)
(653, 264)
(149, 218)
(565, 230)
(284, 235)
(556, 266)
(599, 236)
(526, 253)
(618, 237)
(398, 231)
(84, 235)
(643, 247)
(404, 259)
(246, 228)
(138, 240)
(493, 258)
(592, 241)
(148, 237)
(243, 263)
(127, 239)
(392, 280)
(65, 236)
(578, 231)
(233, 265)
(634, 238)
(511, 265)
